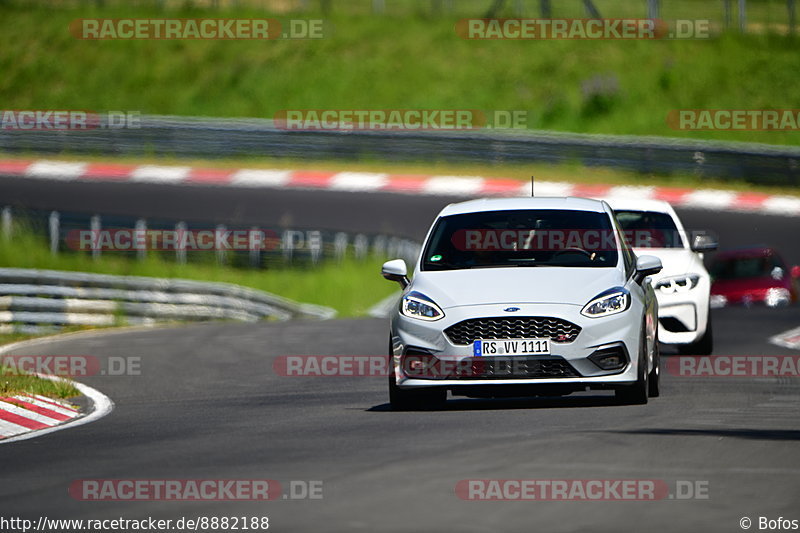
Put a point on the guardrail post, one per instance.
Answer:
(404, 251)
(95, 225)
(726, 13)
(140, 241)
(340, 246)
(416, 251)
(379, 246)
(7, 222)
(392, 248)
(255, 238)
(314, 239)
(652, 9)
(54, 226)
(360, 245)
(287, 245)
(591, 9)
(180, 245)
(742, 15)
(219, 241)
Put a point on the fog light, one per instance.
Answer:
(610, 358)
(418, 364)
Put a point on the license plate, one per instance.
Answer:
(483, 347)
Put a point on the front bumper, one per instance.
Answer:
(621, 330)
(683, 317)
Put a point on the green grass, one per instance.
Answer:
(13, 382)
(351, 287)
(408, 59)
(8, 338)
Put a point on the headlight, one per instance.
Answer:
(416, 305)
(778, 296)
(610, 302)
(675, 284)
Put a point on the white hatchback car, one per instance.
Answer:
(520, 297)
(683, 286)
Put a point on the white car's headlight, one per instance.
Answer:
(416, 305)
(610, 302)
(675, 284)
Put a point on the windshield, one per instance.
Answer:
(521, 238)
(649, 229)
(747, 267)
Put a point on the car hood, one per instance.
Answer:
(563, 285)
(675, 261)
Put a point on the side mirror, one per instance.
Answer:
(704, 243)
(795, 272)
(647, 265)
(395, 270)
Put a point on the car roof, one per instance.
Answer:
(630, 203)
(510, 204)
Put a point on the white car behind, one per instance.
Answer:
(683, 286)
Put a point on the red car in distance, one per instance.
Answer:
(753, 275)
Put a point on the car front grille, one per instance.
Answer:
(526, 327)
(514, 368)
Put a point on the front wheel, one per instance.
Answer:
(415, 399)
(704, 346)
(654, 380)
(636, 394)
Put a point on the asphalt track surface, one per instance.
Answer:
(208, 405)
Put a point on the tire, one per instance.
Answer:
(415, 399)
(654, 379)
(636, 394)
(412, 399)
(704, 346)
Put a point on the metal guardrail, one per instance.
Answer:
(32, 299)
(213, 137)
(295, 246)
